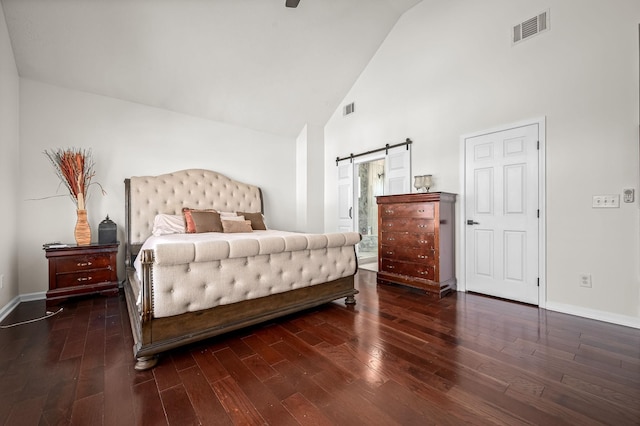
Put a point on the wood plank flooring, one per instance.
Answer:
(397, 357)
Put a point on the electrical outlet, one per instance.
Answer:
(606, 201)
(585, 280)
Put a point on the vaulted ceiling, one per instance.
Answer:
(252, 63)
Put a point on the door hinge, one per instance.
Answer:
(538, 145)
(538, 282)
(538, 214)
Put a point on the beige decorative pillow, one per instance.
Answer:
(230, 226)
(206, 221)
(257, 220)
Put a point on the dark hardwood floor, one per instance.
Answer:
(398, 357)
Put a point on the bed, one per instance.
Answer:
(186, 285)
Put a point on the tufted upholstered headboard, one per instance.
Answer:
(146, 196)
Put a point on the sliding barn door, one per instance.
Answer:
(345, 196)
(397, 171)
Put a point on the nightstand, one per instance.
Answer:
(81, 270)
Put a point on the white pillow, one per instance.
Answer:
(234, 217)
(165, 224)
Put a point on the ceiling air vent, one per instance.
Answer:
(531, 27)
(349, 109)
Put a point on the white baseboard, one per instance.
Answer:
(9, 307)
(595, 314)
(6, 309)
(29, 297)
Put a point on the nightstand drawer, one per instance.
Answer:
(80, 263)
(73, 279)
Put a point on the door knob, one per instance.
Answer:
(471, 222)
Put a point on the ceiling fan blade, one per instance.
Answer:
(291, 3)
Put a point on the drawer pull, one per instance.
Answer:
(389, 211)
(85, 264)
(389, 225)
(422, 256)
(389, 252)
(422, 226)
(391, 239)
(421, 211)
(391, 267)
(84, 279)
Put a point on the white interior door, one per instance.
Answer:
(345, 196)
(502, 214)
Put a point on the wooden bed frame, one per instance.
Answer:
(155, 335)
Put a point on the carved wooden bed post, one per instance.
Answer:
(146, 362)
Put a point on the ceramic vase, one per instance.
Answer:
(82, 230)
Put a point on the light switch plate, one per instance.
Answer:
(606, 201)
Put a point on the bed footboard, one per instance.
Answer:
(155, 335)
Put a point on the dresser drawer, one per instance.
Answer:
(408, 239)
(418, 210)
(84, 262)
(408, 225)
(409, 254)
(94, 276)
(411, 269)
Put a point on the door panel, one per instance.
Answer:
(501, 198)
(514, 251)
(483, 264)
(484, 191)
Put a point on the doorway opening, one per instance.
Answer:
(370, 181)
(363, 177)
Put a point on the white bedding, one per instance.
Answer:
(192, 272)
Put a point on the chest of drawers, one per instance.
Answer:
(416, 241)
(81, 270)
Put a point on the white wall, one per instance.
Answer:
(310, 179)
(129, 139)
(9, 179)
(448, 69)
